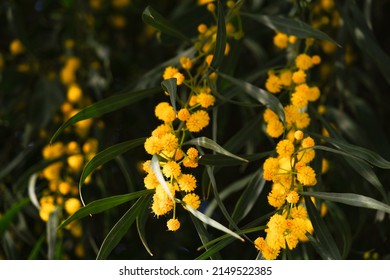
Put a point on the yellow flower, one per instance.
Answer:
(285, 148)
(72, 205)
(171, 169)
(281, 40)
(162, 204)
(53, 151)
(16, 47)
(187, 182)
(273, 84)
(75, 162)
(164, 111)
(292, 197)
(306, 176)
(161, 130)
(306, 156)
(172, 72)
(298, 212)
(173, 224)
(270, 115)
(203, 2)
(271, 168)
(153, 145)
(313, 94)
(299, 77)
(303, 62)
(64, 188)
(183, 114)
(308, 142)
(316, 59)
(74, 93)
(298, 135)
(192, 200)
(185, 62)
(275, 128)
(202, 28)
(299, 97)
(150, 181)
(205, 99)
(197, 121)
(277, 196)
(302, 120)
(285, 78)
(119, 4)
(209, 59)
(169, 142)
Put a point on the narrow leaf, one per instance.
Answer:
(105, 106)
(210, 144)
(249, 197)
(102, 205)
(122, 227)
(141, 223)
(170, 86)
(325, 239)
(155, 19)
(155, 165)
(51, 233)
(351, 199)
(31, 190)
(290, 26)
(105, 156)
(220, 44)
(261, 95)
(10, 214)
(207, 220)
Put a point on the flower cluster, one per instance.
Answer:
(289, 171)
(194, 80)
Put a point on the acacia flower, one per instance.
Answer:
(187, 182)
(192, 200)
(303, 62)
(280, 40)
(197, 121)
(173, 224)
(164, 111)
(172, 72)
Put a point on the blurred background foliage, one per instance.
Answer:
(106, 48)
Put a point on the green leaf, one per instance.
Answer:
(122, 227)
(105, 106)
(210, 144)
(352, 199)
(153, 18)
(365, 39)
(141, 223)
(261, 95)
(107, 155)
(170, 86)
(220, 44)
(37, 248)
(10, 214)
(51, 233)
(102, 205)
(249, 197)
(290, 26)
(324, 238)
(209, 221)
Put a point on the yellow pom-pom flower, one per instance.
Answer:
(197, 121)
(303, 62)
(173, 224)
(192, 200)
(164, 111)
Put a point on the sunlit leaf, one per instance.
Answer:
(155, 19)
(210, 144)
(119, 230)
(105, 106)
(104, 204)
(352, 199)
(290, 26)
(321, 231)
(209, 221)
(155, 165)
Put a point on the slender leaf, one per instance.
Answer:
(51, 233)
(249, 197)
(155, 165)
(209, 221)
(10, 214)
(352, 199)
(290, 26)
(222, 160)
(105, 106)
(31, 190)
(37, 248)
(155, 19)
(220, 44)
(107, 155)
(102, 205)
(170, 86)
(325, 239)
(261, 95)
(211, 250)
(141, 223)
(119, 230)
(210, 144)
(364, 38)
